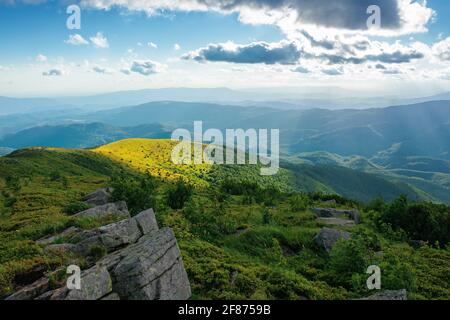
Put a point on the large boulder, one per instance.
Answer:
(146, 221)
(336, 213)
(111, 237)
(327, 238)
(118, 209)
(95, 283)
(150, 269)
(99, 197)
(142, 262)
(389, 295)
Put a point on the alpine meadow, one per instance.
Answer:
(226, 154)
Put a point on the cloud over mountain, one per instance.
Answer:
(258, 52)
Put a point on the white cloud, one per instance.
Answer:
(41, 58)
(152, 45)
(442, 49)
(301, 69)
(102, 70)
(54, 72)
(76, 40)
(99, 41)
(144, 67)
(5, 68)
(333, 71)
(176, 46)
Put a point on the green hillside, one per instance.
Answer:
(360, 178)
(241, 235)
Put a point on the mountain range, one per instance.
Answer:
(405, 148)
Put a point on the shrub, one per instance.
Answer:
(420, 221)
(9, 202)
(348, 259)
(178, 194)
(139, 194)
(299, 202)
(13, 182)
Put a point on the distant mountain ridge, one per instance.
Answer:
(80, 135)
(332, 98)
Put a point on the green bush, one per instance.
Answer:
(139, 193)
(178, 194)
(420, 221)
(299, 202)
(348, 258)
(13, 182)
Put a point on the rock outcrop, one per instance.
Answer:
(119, 209)
(99, 197)
(336, 222)
(389, 295)
(327, 238)
(335, 213)
(142, 262)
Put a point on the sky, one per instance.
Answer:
(138, 44)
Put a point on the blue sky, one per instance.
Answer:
(252, 45)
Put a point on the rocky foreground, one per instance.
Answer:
(142, 261)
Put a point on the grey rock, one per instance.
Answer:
(45, 296)
(147, 221)
(336, 213)
(110, 237)
(327, 238)
(119, 209)
(63, 247)
(96, 283)
(99, 197)
(336, 222)
(389, 295)
(31, 291)
(66, 233)
(121, 233)
(144, 263)
(111, 296)
(150, 269)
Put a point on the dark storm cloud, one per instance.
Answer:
(342, 14)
